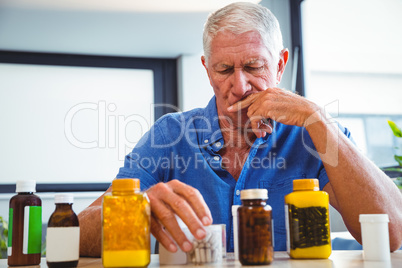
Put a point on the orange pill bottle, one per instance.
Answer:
(126, 218)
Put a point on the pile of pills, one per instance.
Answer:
(209, 249)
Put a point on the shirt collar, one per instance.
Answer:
(211, 122)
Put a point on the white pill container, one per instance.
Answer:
(235, 231)
(207, 250)
(375, 237)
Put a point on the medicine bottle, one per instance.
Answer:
(126, 217)
(307, 221)
(255, 228)
(25, 226)
(63, 234)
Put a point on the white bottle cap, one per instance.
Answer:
(373, 218)
(26, 186)
(254, 194)
(64, 199)
(375, 237)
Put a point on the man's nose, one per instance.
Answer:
(240, 82)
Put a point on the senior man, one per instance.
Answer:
(250, 135)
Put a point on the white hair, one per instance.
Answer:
(243, 17)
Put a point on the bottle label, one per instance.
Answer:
(32, 236)
(10, 231)
(308, 226)
(32, 230)
(287, 228)
(62, 244)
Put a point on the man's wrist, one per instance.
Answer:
(317, 118)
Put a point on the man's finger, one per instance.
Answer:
(161, 235)
(176, 198)
(267, 125)
(195, 199)
(188, 204)
(166, 216)
(266, 128)
(243, 103)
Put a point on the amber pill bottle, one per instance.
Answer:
(126, 218)
(307, 221)
(25, 226)
(63, 234)
(255, 228)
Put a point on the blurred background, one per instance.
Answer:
(82, 81)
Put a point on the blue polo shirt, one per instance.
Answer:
(185, 146)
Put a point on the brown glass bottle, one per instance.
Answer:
(25, 226)
(255, 228)
(62, 240)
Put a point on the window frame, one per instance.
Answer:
(297, 47)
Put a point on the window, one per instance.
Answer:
(352, 65)
(71, 119)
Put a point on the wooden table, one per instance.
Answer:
(338, 259)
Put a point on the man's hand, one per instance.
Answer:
(175, 197)
(277, 104)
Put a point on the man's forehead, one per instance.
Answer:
(226, 39)
(262, 58)
(231, 49)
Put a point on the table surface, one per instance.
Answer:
(338, 259)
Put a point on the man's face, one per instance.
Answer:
(240, 65)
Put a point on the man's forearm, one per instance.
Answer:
(359, 186)
(90, 231)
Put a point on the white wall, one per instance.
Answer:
(194, 88)
(75, 124)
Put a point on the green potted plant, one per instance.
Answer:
(395, 172)
(3, 238)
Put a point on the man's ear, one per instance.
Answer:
(204, 63)
(283, 60)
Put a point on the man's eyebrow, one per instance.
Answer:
(254, 60)
(222, 65)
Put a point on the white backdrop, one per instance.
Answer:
(64, 124)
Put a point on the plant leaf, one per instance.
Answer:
(393, 169)
(3, 245)
(395, 129)
(398, 159)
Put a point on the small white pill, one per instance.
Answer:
(202, 255)
(213, 255)
(208, 255)
(197, 255)
(213, 241)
